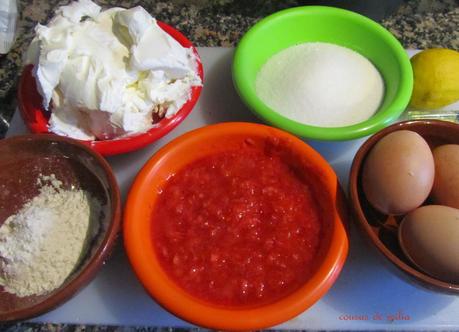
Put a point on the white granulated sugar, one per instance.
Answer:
(46, 239)
(321, 84)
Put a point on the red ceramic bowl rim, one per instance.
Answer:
(32, 112)
(357, 164)
(101, 254)
(140, 250)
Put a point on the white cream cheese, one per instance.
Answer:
(104, 73)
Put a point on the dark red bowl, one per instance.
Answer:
(36, 118)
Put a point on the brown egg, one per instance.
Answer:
(445, 190)
(398, 173)
(429, 238)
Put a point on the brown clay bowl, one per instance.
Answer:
(381, 229)
(23, 158)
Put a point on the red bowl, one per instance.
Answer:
(36, 118)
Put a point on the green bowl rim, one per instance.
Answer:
(375, 123)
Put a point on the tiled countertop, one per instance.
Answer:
(417, 24)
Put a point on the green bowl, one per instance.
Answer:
(324, 24)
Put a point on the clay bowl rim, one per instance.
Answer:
(159, 285)
(359, 215)
(86, 275)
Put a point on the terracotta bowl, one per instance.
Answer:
(138, 231)
(23, 159)
(381, 229)
(36, 118)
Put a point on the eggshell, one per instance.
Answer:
(398, 173)
(429, 238)
(445, 190)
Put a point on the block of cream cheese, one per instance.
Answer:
(104, 73)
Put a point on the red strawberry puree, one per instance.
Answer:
(237, 228)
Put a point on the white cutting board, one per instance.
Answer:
(366, 295)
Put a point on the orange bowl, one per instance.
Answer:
(195, 145)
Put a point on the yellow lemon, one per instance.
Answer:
(436, 78)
